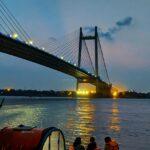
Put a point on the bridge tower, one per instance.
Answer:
(101, 87)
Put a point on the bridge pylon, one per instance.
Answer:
(101, 87)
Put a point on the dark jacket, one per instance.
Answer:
(79, 147)
(91, 146)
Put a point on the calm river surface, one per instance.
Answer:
(126, 120)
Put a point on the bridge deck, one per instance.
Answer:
(28, 52)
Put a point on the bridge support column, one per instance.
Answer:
(77, 85)
(79, 56)
(96, 53)
(103, 89)
(97, 86)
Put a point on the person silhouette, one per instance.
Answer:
(110, 144)
(92, 145)
(77, 145)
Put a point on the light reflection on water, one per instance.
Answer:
(20, 114)
(83, 122)
(115, 117)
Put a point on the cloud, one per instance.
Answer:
(118, 27)
(108, 35)
(125, 22)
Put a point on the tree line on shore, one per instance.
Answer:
(52, 93)
(43, 93)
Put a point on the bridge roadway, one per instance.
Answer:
(28, 52)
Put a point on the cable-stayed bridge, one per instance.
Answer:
(78, 54)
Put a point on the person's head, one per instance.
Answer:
(77, 141)
(92, 139)
(107, 139)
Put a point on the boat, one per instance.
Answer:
(31, 138)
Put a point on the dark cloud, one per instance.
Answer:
(108, 35)
(125, 22)
(119, 26)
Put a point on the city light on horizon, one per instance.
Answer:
(8, 89)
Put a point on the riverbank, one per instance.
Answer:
(52, 93)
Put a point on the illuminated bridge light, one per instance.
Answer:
(30, 42)
(75, 64)
(14, 35)
(69, 62)
(62, 57)
(82, 92)
(9, 35)
(8, 89)
(92, 92)
(84, 80)
(115, 94)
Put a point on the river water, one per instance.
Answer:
(126, 120)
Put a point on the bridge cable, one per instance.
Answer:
(103, 60)
(63, 45)
(14, 20)
(6, 24)
(89, 56)
(4, 28)
(8, 20)
(67, 46)
(85, 61)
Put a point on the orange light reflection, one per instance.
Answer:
(83, 124)
(115, 118)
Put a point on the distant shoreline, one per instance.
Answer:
(68, 94)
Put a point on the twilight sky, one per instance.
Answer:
(125, 40)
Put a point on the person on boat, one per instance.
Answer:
(77, 145)
(110, 144)
(92, 145)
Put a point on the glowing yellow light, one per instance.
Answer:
(78, 92)
(8, 89)
(119, 88)
(30, 42)
(115, 93)
(14, 35)
(87, 92)
(82, 92)
(84, 80)
(93, 92)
